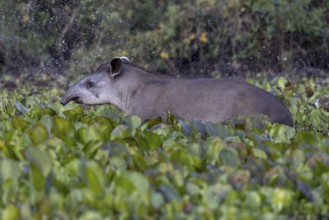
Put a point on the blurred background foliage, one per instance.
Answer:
(204, 37)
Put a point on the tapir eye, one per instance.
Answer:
(89, 84)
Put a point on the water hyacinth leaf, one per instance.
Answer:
(186, 127)
(93, 177)
(37, 177)
(259, 153)
(230, 157)
(62, 127)
(19, 123)
(153, 139)
(200, 127)
(91, 133)
(91, 147)
(281, 199)
(132, 182)
(160, 129)
(183, 157)
(120, 132)
(140, 182)
(170, 193)
(47, 121)
(40, 159)
(3, 147)
(133, 121)
(156, 199)
(213, 149)
(11, 212)
(38, 134)
(306, 190)
(212, 128)
(20, 107)
(282, 133)
(111, 112)
(74, 114)
(253, 200)
(9, 169)
(297, 157)
(48, 111)
(282, 82)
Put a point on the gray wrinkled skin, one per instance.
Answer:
(136, 91)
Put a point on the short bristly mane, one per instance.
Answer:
(131, 66)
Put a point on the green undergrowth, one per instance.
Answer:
(78, 162)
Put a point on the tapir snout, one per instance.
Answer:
(71, 95)
(137, 91)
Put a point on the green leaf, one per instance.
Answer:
(213, 149)
(132, 182)
(74, 114)
(38, 134)
(282, 83)
(120, 132)
(19, 123)
(91, 147)
(9, 169)
(93, 177)
(20, 107)
(153, 139)
(212, 129)
(133, 121)
(91, 133)
(62, 128)
(253, 200)
(37, 177)
(259, 153)
(200, 127)
(156, 200)
(11, 212)
(40, 159)
(282, 199)
(230, 157)
(282, 133)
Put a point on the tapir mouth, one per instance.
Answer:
(77, 99)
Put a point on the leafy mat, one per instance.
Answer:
(78, 162)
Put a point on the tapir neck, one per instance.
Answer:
(132, 84)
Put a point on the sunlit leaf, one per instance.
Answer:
(9, 169)
(133, 121)
(281, 199)
(282, 133)
(11, 212)
(38, 134)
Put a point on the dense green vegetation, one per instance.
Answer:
(177, 37)
(78, 162)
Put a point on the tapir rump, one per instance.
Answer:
(137, 91)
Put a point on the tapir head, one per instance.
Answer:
(99, 87)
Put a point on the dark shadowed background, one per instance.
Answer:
(197, 37)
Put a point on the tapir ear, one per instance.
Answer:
(116, 66)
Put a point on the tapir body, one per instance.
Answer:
(137, 91)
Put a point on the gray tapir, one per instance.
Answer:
(137, 91)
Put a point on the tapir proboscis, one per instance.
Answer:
(137, 91)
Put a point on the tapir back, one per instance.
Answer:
(215, 100)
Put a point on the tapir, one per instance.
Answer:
(137, 91)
